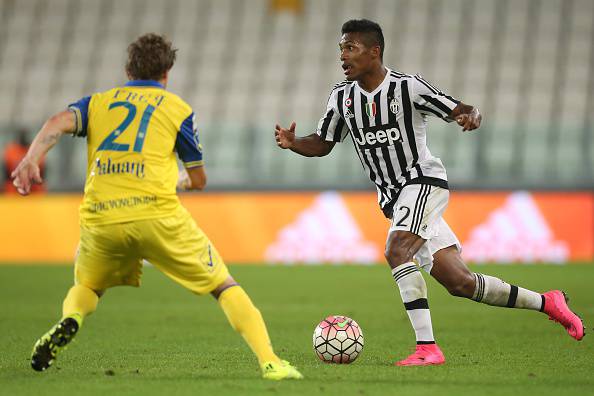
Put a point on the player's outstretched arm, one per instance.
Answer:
(27, 172)
(468, 117)
(309, 146)
(192, 179)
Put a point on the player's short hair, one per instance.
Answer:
(371, 32)
(150, 56)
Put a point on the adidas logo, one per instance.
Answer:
(323, 233)
(516, 232)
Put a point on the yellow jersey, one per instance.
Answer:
(133, 133)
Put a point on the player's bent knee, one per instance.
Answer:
(397, 253)
(396, 256)
(401, 247)
(97, 291)
(464, 287)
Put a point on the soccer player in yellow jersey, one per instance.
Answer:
(131, 211)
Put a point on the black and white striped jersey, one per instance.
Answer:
(388, 128)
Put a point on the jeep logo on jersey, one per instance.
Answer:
(383, 135)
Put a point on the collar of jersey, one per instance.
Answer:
(144, 83)
(379, 87)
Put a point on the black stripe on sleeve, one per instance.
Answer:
(437, 103)
(325, 124)
(434, 89)
(338, 130)
(397, 74)
(340, 123)
(426, 109)
(340, 102)
(452, 99)
(426, 84)
(337, 135)
(513, 295)
(340, 84)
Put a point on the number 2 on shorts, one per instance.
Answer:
(401, 221)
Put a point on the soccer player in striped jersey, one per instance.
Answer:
(385, 113)
(130, 209)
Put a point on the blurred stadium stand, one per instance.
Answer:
(245, 65)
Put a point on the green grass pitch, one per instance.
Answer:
(161, 339)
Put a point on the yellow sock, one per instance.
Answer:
(247, 320)
(79, 302)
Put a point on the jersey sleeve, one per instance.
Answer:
(332, 127)
(188, 145)
(81, 112)
(429, 100)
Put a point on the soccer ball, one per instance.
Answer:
(338, 339)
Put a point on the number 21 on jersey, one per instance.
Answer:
(110, 144)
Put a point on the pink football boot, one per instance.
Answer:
(425, 355)
(556, 307)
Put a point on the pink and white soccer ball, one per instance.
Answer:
(338, 339)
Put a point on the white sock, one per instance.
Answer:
(413, 291)
(494, 291)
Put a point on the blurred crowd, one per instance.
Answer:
(14, 151)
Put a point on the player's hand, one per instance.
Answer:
(470, 121)
(25, 174)
(183, 182)
(285, 137)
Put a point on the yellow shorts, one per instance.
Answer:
(112, 255)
